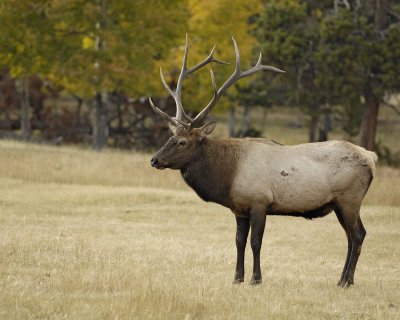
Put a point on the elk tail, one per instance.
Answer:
(370, 158)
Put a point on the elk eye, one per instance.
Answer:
(182, 143)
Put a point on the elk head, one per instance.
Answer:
(185, 144)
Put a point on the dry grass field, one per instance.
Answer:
(87, 235)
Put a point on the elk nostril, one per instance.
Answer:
(153, 161)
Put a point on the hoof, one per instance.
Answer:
(238, 278)
(345, 283)
(255, 282)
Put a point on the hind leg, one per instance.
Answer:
(350, 220)
(357, 234)
(340, 218)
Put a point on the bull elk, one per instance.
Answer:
(255, 177)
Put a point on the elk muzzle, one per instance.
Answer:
(157, 163)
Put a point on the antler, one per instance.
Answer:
(236, 75)
(181, 116)
(176, 122)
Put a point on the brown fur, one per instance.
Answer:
(211, 174)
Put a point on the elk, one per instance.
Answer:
(255, 177)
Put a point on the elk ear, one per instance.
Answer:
(207, 129)
(172, 127)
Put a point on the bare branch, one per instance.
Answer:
(337, 3)
(394, 14)
(346, 3)
(391, 106)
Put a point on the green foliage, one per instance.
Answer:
(116, 43)
(23, 36)
(90, 46)
(103, 45)
(386, 155)
(356, 57)
(350, 113)
(288, 33)
(390, 66)
(347, 55)
(331, 55)
(334, 57)
(281, 34)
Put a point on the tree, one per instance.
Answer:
(92, 47)
(342, 54)
(24, 49)
(288, 33)
(359, 50)
(113, 46)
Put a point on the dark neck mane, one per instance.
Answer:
(212, 172)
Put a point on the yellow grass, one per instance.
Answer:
(102, 235)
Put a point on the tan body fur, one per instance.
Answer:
(301, 178)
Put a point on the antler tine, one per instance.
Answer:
(213, 84)
(177, 95)
(178, 92)
(180, 113)
(207, 60)
(174, 121)
(259, 67)
(165, 84)
(237, 56)
(185, 72)
(236, 75)
(232, 79)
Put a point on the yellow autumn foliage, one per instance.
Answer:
(213, 22)
(88, 42)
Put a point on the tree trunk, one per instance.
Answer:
(325, 128)
(245, 122)
(264, 120)
(372, 102)
(312, 131)
(369, 122)
(231, 122)
(100, 127)
(381, 19)
(26, 128)
(79, 101)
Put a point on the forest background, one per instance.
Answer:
(80, 71)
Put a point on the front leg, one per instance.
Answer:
(257, 221)
(242, 231)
